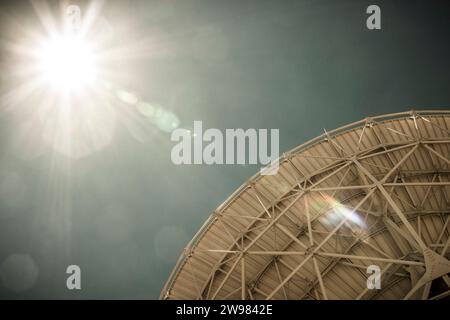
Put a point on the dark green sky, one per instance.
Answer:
(124, 213)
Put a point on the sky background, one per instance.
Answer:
(124, 212)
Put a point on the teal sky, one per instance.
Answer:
(124, 212)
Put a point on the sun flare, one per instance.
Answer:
(67, 62)
(71, 81)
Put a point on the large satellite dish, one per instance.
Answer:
(372, 193)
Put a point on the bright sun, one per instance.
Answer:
(66, 62)
(68, 81)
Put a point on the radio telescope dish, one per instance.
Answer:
(371, 196)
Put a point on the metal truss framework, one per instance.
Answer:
(381, 199)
